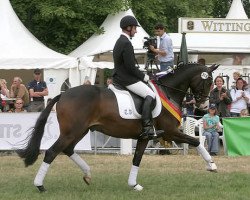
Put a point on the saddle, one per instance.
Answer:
(130, 104)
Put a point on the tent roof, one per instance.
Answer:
(21, 50)
(236, 11)
(105, 42)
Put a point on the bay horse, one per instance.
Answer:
(89, 107)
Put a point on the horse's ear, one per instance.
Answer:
(213, 67)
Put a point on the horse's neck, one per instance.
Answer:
(177, 86)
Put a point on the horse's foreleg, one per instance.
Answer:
(139, 151)
(183, 138)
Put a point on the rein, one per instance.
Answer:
(196, 95)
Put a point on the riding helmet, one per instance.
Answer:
(128, 21)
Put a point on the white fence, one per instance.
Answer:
(15, 127)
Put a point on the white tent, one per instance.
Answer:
(103, 44)
(19, 49)
(221, 48)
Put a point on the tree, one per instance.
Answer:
(63, 25)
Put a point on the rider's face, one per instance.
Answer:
(133, 31)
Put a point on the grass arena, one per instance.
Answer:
(163, 177)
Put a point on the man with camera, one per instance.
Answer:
(165, 52)
(128, 75)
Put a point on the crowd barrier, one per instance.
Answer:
(237, 135)
(15, 127)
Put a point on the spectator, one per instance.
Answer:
(244, 113)
(189, 104)
(87, 82)
(203, 108)
(3, 88)
(4, 93)
(109, 81)
(165, 52)
(18, 106)
(18, 90)
(37, 90)
(202, 61)
(221, 97)
(240, 98)
(237, 75)
(211, 124)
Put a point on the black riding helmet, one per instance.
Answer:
(128, 21)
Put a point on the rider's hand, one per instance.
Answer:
(146, 78)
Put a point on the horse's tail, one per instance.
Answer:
(31, 151)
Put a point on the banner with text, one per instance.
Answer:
(15, 127)
(237, 135)
(213, 25)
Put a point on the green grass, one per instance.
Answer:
(174, 177)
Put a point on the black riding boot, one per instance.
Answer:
(148, 131)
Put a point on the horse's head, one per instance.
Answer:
(201, 84)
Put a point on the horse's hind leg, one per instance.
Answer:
(69, 151)
(50, 155)
(139, 151)
(183, 138)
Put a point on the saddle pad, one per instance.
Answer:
(126, 104)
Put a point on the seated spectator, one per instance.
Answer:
(87, 82)
(244, 113)
(4, 93)
(3, 88)
(211, 124)
(109, 81)
(240, 98)
(18, 106)
(18, 90)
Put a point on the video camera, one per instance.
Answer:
(150, 41)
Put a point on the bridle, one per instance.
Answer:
(201, 85)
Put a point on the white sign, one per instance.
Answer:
(213, 25)
(15, 127)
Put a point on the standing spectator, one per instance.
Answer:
(18, 106)
(18, 90)
(237, 75)
(165, 52)
(240, 98)
(211, 124)
(37, 90)
(221, 97)
(189, 104)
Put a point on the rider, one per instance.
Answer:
(129, 76)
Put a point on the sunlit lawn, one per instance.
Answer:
(163, 177)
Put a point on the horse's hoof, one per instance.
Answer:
(138, 187)
(41, 188)
(87, 179)
(212, 167)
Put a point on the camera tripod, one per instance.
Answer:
(149, 65)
